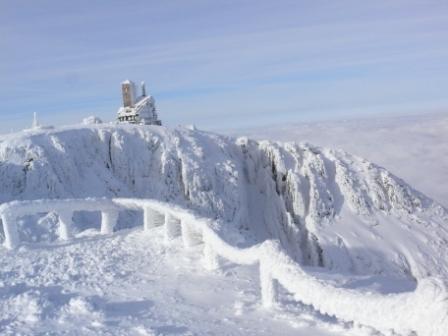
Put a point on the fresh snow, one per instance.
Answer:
(339, 214)
(132, 283)
(413, 147)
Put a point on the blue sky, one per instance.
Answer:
(223, 64)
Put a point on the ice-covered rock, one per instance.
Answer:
(90, 120)
(327, 208)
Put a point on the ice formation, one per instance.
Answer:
(92, 120)
(327, 208)
(323, 207)
(398, 312)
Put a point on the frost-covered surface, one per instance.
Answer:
(91, 120)
(412, 147)
(395, 311)
(131, 283)
(328, 208)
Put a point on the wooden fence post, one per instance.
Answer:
(268, 286)
(108, 221)
(10, 230)
(188, 236)
(172, 227)
(65, 224)
(211, 260)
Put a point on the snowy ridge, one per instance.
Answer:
(424, 311)
(327, 208)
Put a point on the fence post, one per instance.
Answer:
(172, 227)
(159, 219)
(10, 230)
(108, 221)
(211, 261)
(188, 236)
(65, 224)
(151, 218)
(268, 286)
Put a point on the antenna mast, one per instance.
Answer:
(35, 122)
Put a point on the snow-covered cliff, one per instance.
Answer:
(328, 208)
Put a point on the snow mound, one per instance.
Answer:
(326, 207)
(91, 120)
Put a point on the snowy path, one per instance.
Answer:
(132, 284)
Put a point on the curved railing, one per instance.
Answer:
(424, 311)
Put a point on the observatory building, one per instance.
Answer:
(137, 109)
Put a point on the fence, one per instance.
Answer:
(425, 310)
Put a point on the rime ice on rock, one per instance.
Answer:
(328, 208)
(91, 120)
(137, 109)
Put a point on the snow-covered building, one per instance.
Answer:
(137, 109)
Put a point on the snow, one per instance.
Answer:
(11, 211)
(384, 312)
(308, 216)
(92, 120)
(328, 208)
(133, 283)
(109, 220)
(413, 147)
(137, 110)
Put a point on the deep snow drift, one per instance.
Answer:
(328, 208)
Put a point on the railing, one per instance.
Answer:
(424, 311)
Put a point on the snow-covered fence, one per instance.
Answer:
(9, 213)
(424, 311)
